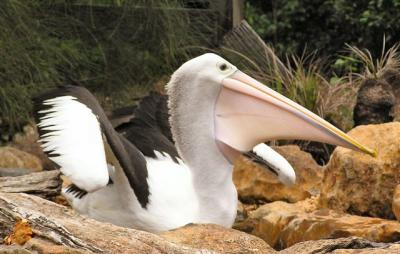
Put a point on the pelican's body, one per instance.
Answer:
(150, 183)
(172, 203)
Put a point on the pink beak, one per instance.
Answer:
(248, 113)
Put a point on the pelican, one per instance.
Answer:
(216, 113)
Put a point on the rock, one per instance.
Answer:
(27, 141)
(54, 225)
(282, 224)
(392, 76)
(375, 100)
(254, 182)
(217, 238)
(11, 157)
(396, 202)
(341, 245)
(361, 184)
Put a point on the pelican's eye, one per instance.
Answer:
(223, 67)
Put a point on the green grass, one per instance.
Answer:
(375, 67)
(118, 54)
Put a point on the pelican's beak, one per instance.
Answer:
(248, 113)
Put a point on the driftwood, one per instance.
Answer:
(56, 225)
(45, 184)
(4, 172)
(244, 41)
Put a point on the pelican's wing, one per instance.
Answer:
(149, 129)
(73, 129)
(71, 136)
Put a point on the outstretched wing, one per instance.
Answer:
(71, 136)
(73, 129)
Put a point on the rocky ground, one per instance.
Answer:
(348, 206)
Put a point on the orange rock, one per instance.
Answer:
(359, 183)
(13, 158)
(27, 141)
(353, 245)
(217, 238)
(282, 224)
(254, 182)
(396, 202)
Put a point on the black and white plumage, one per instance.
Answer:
(215, 111)
(112, 176)
(149, 129)
(74, 132)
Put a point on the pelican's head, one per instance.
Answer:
(240, 112)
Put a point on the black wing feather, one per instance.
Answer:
(149, 130)
(129, 157)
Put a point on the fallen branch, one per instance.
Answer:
(56, 225)
(45, 184)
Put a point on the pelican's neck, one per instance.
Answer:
(192, 126)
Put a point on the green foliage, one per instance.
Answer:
(325, 25)
(375, 67)
(116, 48)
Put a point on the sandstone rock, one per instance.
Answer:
(254, 182)
(392, 76)
(341, 245)
(394, 249)
(282, 224)
(396, 202)
(27, 142)
(57, 227)
(374, 102)
(217, 238)
(13, 158)
(359, 183)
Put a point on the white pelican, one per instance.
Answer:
(216, 112)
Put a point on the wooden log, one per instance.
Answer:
(45, 184)
(56, 225)
(4, 172)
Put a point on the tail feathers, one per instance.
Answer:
(74, 191)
